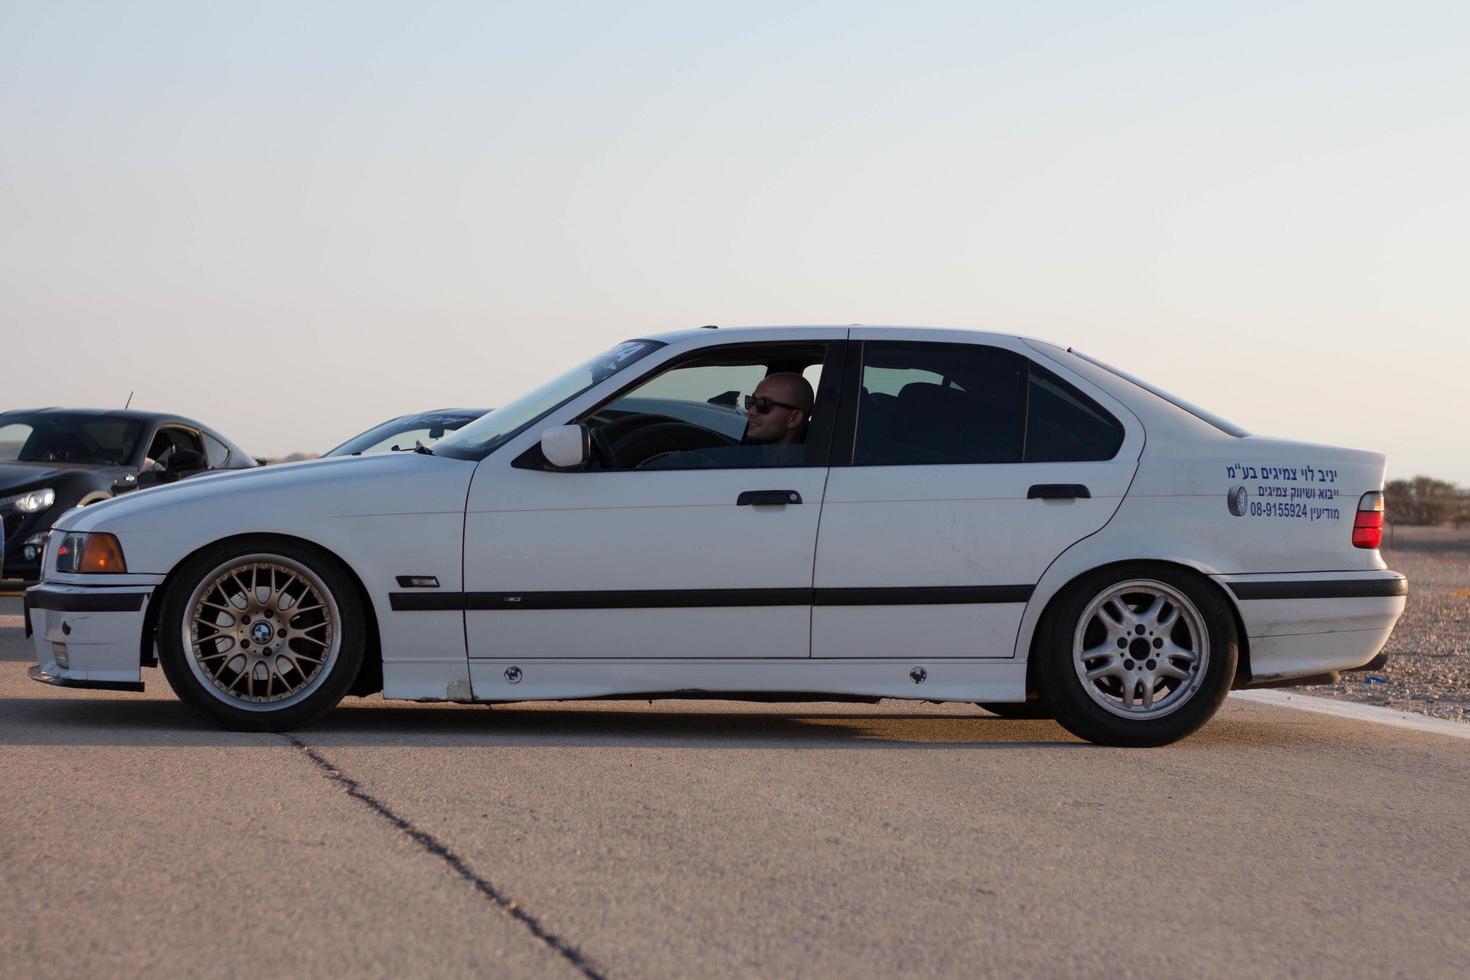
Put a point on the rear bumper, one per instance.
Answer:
(1307, 624)
(87, 636)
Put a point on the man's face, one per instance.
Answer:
(778, 424)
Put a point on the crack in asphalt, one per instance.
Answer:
(573, 956)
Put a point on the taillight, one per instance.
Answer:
(1368, 523)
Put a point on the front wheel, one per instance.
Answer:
(261, 636)
(1137, 655)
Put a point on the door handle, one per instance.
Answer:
(767, 498)
(1057, 491)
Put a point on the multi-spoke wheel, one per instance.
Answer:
(261, 638)
(1137, 655)
(1140, 649)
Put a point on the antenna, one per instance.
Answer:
(129, 401)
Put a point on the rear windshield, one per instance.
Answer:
(1229, 428)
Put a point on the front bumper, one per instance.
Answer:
(87, 636)
(1317, 623)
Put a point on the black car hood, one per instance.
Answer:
(15, 477)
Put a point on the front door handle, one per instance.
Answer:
(1057, 491)
(767, 498)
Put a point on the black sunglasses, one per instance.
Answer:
(762, 404)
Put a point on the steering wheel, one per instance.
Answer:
(638, 438)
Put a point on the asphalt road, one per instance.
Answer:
(624, 839)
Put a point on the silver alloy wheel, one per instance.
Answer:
(1141, 649)
(261, 632)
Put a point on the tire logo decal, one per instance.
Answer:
(1236, 500)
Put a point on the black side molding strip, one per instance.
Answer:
(639, 599)
(944, 595)
(707, 598)
(425, 601)
(40, 597)
(37, 674)
(1327, 589)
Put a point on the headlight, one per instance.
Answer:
(30, 502)
(95, 553)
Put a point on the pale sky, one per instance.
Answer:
(294, 220)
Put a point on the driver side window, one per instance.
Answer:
(166, 442)
(752, 405)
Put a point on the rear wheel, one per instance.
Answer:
(1137, 655)
(261, 636)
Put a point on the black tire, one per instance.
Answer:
(1019, 710)
(319, 689)
(1079, 703)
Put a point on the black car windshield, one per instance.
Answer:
(483, 436)
(427, 428)
(96, 440)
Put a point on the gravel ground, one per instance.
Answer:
(1429, 666)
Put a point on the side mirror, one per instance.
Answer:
(566, 447)
(124, 484)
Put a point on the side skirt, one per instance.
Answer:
(938, 680)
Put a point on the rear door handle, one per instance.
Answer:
(1057, 491)
(767, 498)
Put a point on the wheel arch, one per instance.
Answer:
(370, 676)
(1242, 669)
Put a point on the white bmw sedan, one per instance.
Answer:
(797, 513)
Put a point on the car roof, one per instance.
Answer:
(796, 330)
(129, 414)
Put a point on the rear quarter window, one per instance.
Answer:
(1064, 425)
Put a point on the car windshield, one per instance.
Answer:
(95, 440)
(483, 436)
(403, 432)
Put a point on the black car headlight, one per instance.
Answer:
(30, 502)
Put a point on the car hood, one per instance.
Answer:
(15, 477)
(273, 497)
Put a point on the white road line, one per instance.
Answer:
(12, 622)
(1359, 712)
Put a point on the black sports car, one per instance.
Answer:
(53, 459)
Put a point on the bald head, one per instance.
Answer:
(789, 404)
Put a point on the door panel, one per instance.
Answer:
(897, 527)
(634, 564)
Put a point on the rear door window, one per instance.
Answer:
(928, 403)
(935, 403)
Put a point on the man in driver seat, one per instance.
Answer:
(778, 413)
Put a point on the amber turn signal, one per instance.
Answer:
(102, 554)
